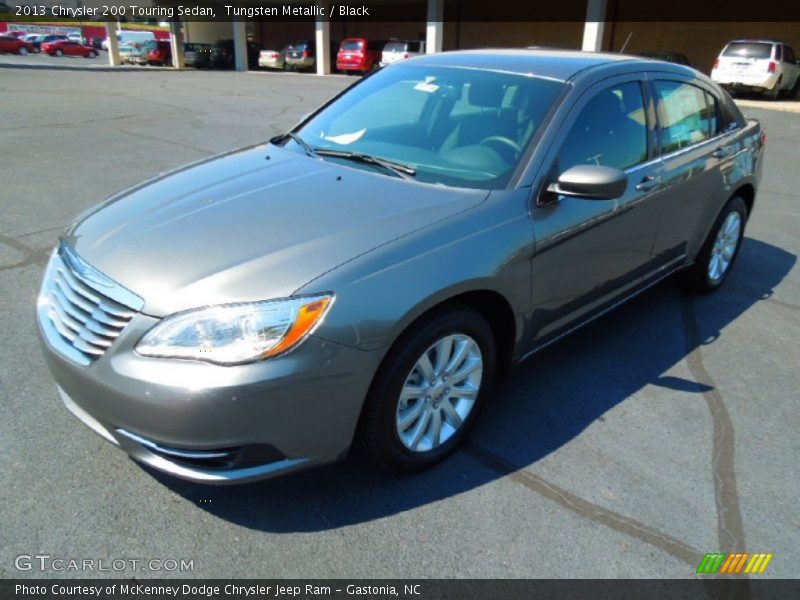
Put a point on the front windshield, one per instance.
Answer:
(454, 126)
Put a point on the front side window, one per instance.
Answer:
(407, 114)
(611, 130)
(686, 115)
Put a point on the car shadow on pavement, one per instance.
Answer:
(542, 405)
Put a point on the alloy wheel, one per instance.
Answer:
(724, 246)
(439, 393)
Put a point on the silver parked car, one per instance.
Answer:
(368, 274)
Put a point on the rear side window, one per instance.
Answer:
(748, 50)
(611, 130)
(788, 54)
(687, 115)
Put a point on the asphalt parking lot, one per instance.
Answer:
(664, 431)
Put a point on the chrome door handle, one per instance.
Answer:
(648, 183)
(720, 152)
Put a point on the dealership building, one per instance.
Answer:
(594, 25)
(607, 25)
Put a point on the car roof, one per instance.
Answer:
(553, 64)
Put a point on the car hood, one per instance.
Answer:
(252, 225)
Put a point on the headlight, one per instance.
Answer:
(236, 333)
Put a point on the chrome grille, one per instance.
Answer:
(81, 311)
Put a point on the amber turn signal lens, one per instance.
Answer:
(308, 316)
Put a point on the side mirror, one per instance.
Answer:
(593, 182)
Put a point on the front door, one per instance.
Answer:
(591, 252)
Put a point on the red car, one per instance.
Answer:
(359, 54)
(68, 48)
(159, 53)
(15, 45)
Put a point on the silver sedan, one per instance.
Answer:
(367, 275)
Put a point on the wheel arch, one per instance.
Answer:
(746, 192)
(489, 303)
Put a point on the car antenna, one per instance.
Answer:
(625, 45)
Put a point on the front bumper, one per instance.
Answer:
(197, 420)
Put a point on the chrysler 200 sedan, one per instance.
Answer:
(365, 276)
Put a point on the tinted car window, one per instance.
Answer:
(729, 114)
(685, 117)
(749, 50)
(611, 130)
(404, 114)
(712, 114)
(351, 45)
(788, 54)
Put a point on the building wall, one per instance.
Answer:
(206, 32)
(512, 34)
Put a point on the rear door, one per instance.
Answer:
(591, 252)
(697, 150)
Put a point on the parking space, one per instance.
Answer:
(659, 433)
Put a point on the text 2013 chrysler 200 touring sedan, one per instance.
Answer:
(366, 275)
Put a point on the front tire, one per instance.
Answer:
(59, 52)
(429, 390)
(720, 250)
(23, 51)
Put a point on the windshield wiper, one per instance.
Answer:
(399, 169)
(310, 150)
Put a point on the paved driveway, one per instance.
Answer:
(664, 431)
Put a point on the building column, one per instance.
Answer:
(322, 41)
(594, 26)
(240, 44)
(176, 44)
(434, 33)
(113, 44)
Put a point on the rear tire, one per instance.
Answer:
(23, 51)
(59, 52)
(775, 92)
(411, 421)
(92, 54)
(720, 250)
(795, 92)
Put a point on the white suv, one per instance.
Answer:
(758, 65)
(397, 51)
